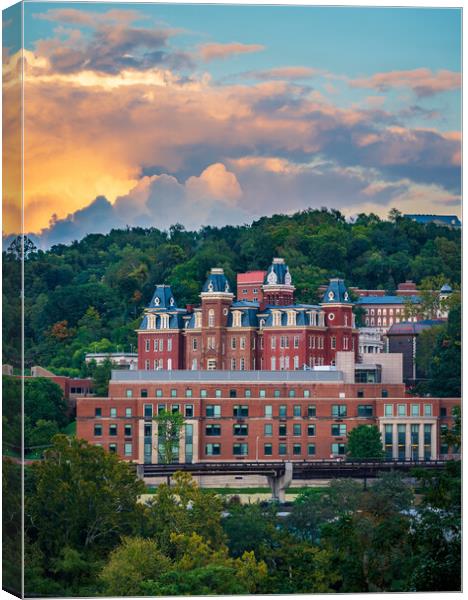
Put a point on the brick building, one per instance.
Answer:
(266, 415)
(272, 333)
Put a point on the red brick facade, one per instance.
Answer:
(250, 420)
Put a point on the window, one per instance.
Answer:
(267, 449)
(148, 410)
(428, 410)
(144, 393)
(443, 411)
(292, 393)
(273, 363)
(188, 393)
(282, 429)
(268, 429)
(242, 343)
(161, 408)
(283, 410)
(113, 430)
(282, 449)
(98, 430)
(128, 449)
(240, 410)
(248, 393)
(242, 364)
(213, 410)
(194, 344)
(311, 410)
(233, 343)
(218, 393)
(401, 410)
(296, 341)
(112, 448)
(213, 449)
(333, 342)
(273, 342)
(147, 345)
(158, 393)
(212, 429)
(113, 413)
(147, 430)
(339, 410)
(268, 411)
(189, 410)
(339, 449)
(211, 318)
(310, 430)
(388, 410)
(128, 431)
(384, 393)
(129, 393)
(161, 345)
(173, 393)
(365, 410)
(306, 393)
(297, 449)
(169, 344)
(297, 429)
(276, 393)
(203, 394)
(155, 345)
(98, 412)
(338, 430)
(360, 394)
(262, 394)
(240, 429)
(174, 409)
(310, 449)
(297, 410)
(415, 410)
(240, 449)
(296, 362)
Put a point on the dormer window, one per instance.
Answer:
(262, 323)
(151, 322)
(291, 318)
(164, 321)
(237, 318)
(198, 319)
(276, 318)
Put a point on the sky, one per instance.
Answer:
(149, 115)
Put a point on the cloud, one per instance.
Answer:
(159, 201)
(423, 82)
(283, 73)
(215, 51)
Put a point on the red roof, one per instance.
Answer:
(251, 277)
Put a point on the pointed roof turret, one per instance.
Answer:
(278, 273)
(163, 299)
(216, 283)
(336, 293)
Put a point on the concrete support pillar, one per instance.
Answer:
(395, 440)
(140, 471)
(408, 442)
(279, 483)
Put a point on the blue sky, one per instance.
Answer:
(354, 107)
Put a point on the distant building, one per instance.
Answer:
(370, 340)
(73, 387)
(451, 221)
(250, 286)
(121, 360)
(381, 312)
(402, 338)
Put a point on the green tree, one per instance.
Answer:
(44, 399)
(365, 442)
(81, 497)
(101, 375)
(169, 433)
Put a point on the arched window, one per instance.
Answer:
(211, 318)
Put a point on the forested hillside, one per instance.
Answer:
(89, 295)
